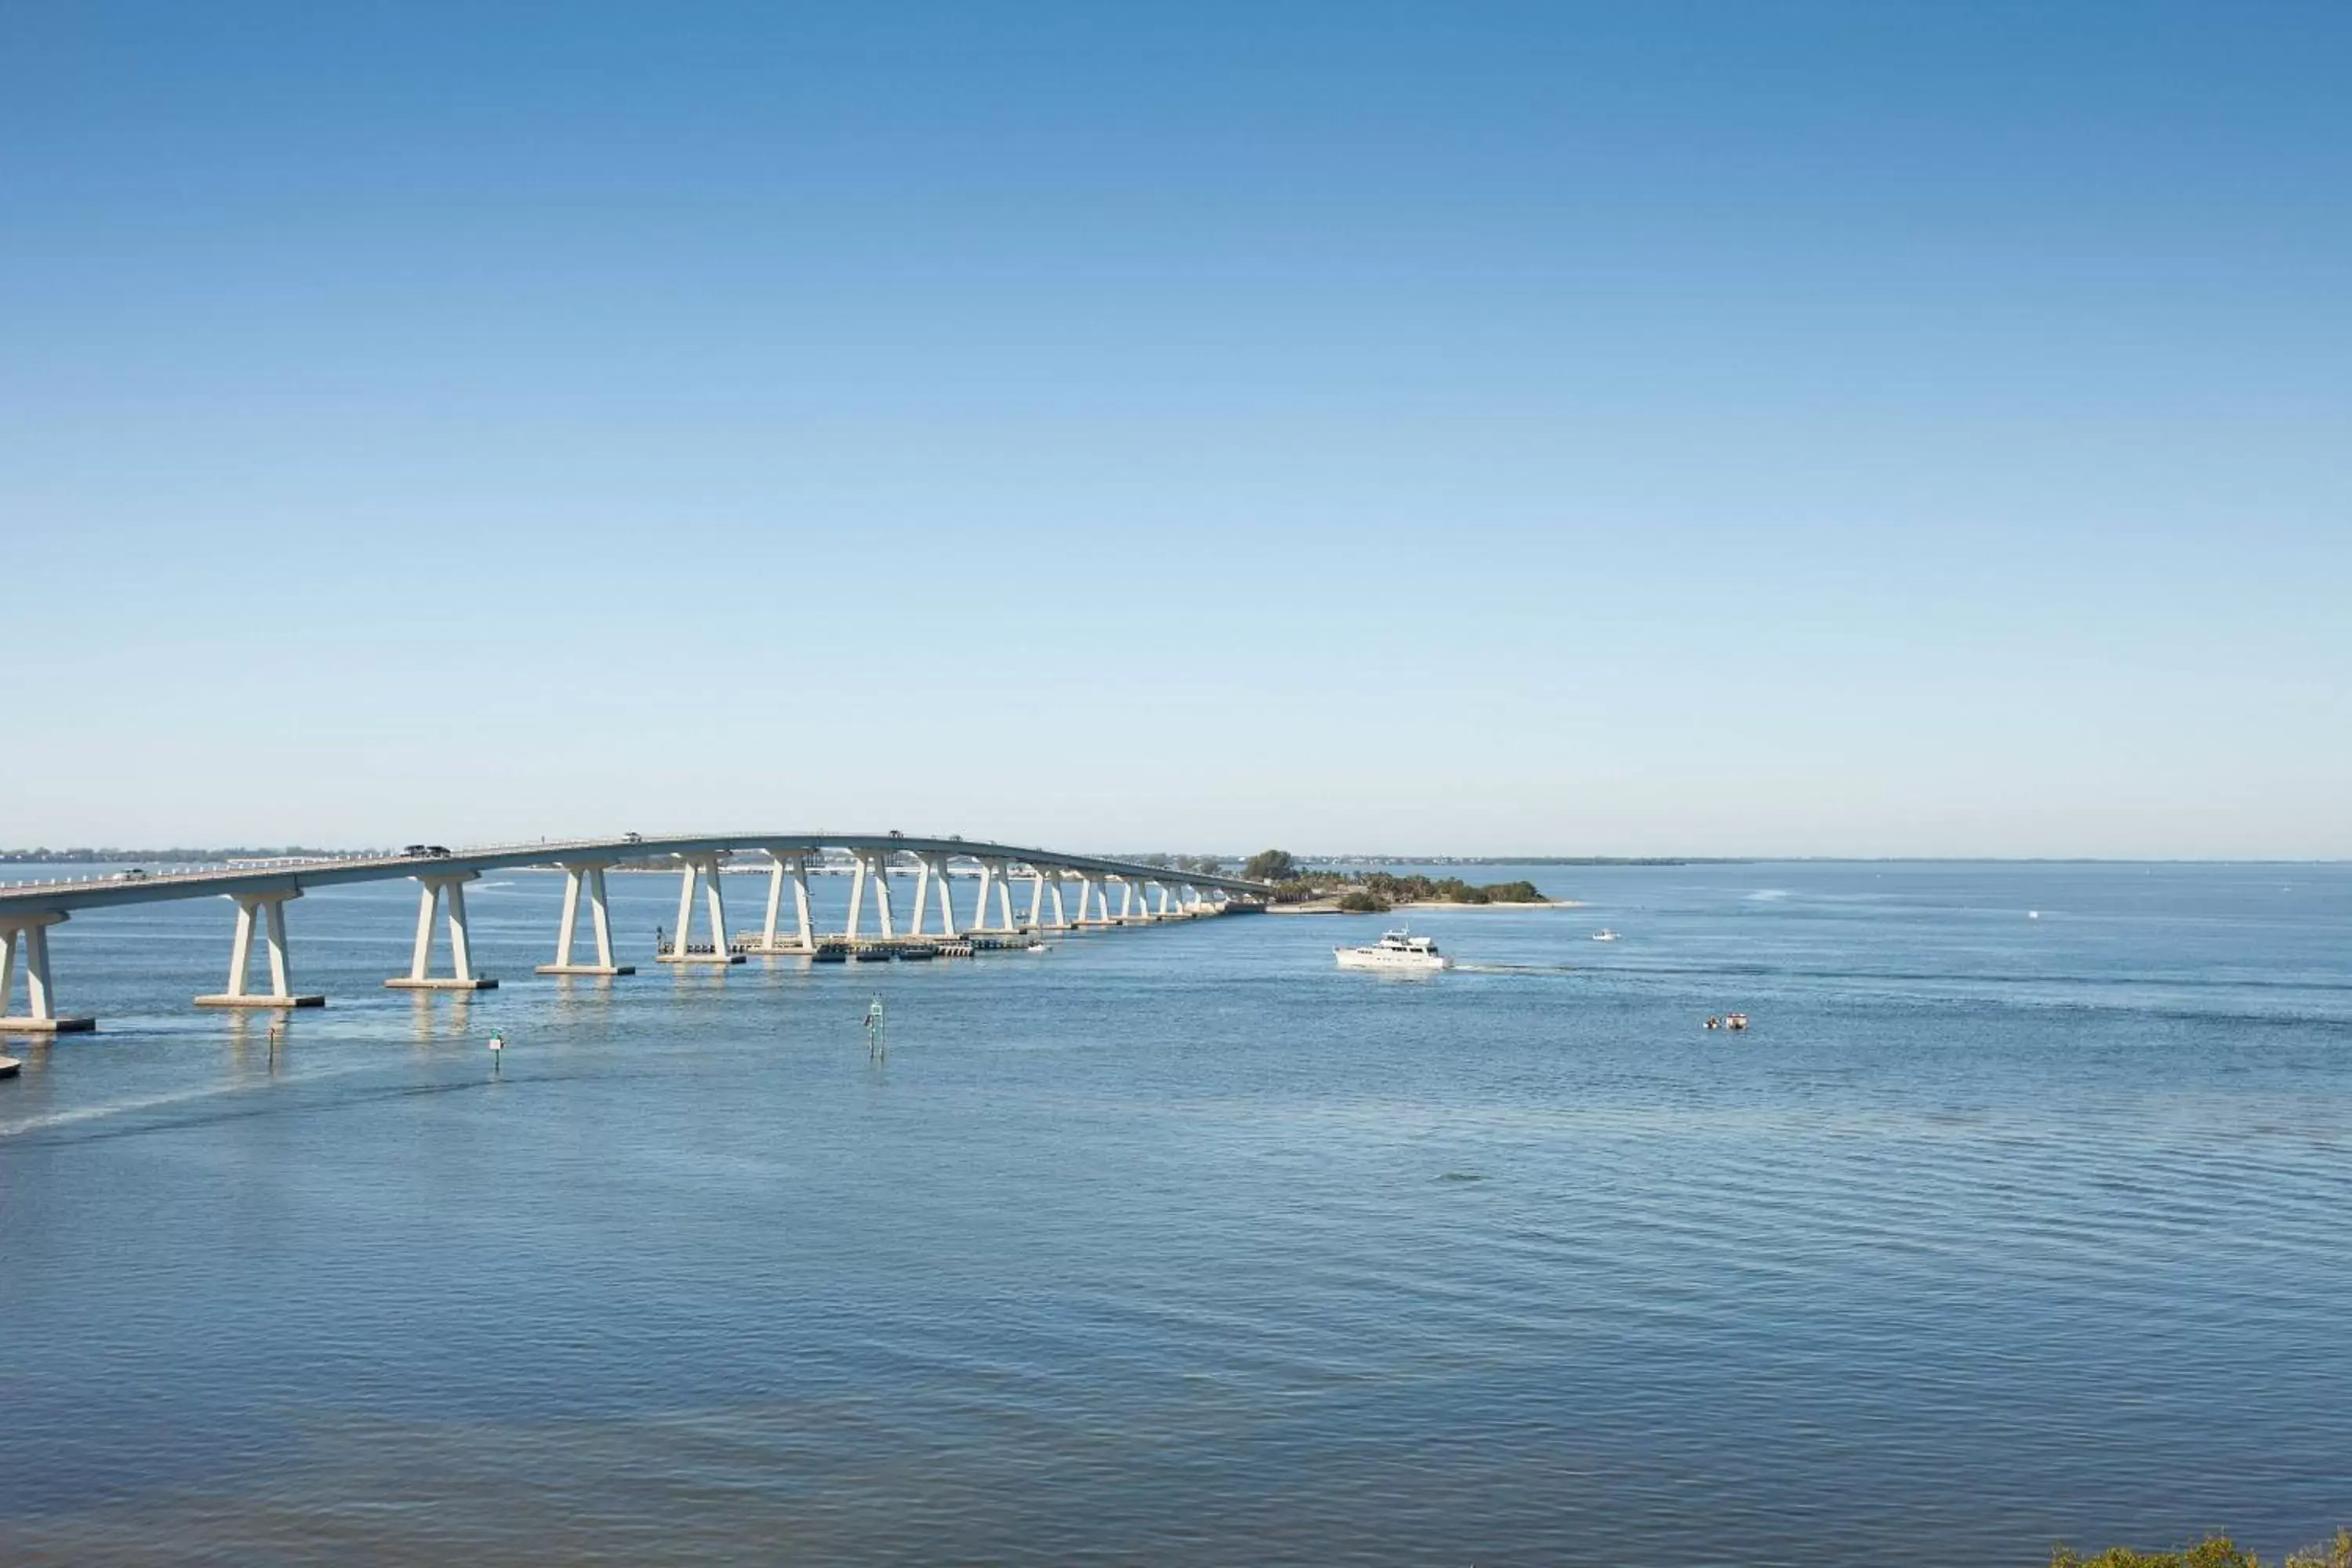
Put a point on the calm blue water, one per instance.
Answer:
(1178, 1245)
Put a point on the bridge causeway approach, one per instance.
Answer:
(1148, 895)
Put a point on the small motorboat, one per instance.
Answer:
(1036, 947)
(1604, 935)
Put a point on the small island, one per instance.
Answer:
(1303, 891)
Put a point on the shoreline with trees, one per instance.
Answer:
(1299, 891)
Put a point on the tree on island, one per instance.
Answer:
(1271, 865)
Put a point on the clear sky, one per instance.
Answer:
(1741, 428)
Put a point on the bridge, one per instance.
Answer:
(31, 911)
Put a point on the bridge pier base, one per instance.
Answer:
(432, 889)
(271, 908)
(31, 932)
(588, 876)
(700, 869)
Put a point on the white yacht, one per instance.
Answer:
(1604, 936)
(1398, 951)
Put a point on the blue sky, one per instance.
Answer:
(1736, 428)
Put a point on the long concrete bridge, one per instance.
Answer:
(28, 911)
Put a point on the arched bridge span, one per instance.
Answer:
(28, 911)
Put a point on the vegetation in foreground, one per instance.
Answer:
(2214, 1551)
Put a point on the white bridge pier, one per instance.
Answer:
(30, 932)
(270, 906)
(432, 889)
(586, 876)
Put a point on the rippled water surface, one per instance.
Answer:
(1178, 1245)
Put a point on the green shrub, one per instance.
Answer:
(2214, 1551)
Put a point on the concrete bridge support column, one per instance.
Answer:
(432, 888)
(252, 909)
(701, 869)
(932, 872)
(787, 866)
(980, 901)
(940, 891)
(1004, 921)
(1037, 920)
(1126, 898)
(857, 893)
(1163, 900)
(922, 895)
(31, 933)
(873, 871)
(1054, 886)
(589, 876)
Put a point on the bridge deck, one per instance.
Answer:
(229, 881)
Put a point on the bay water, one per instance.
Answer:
(2020, 1214)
